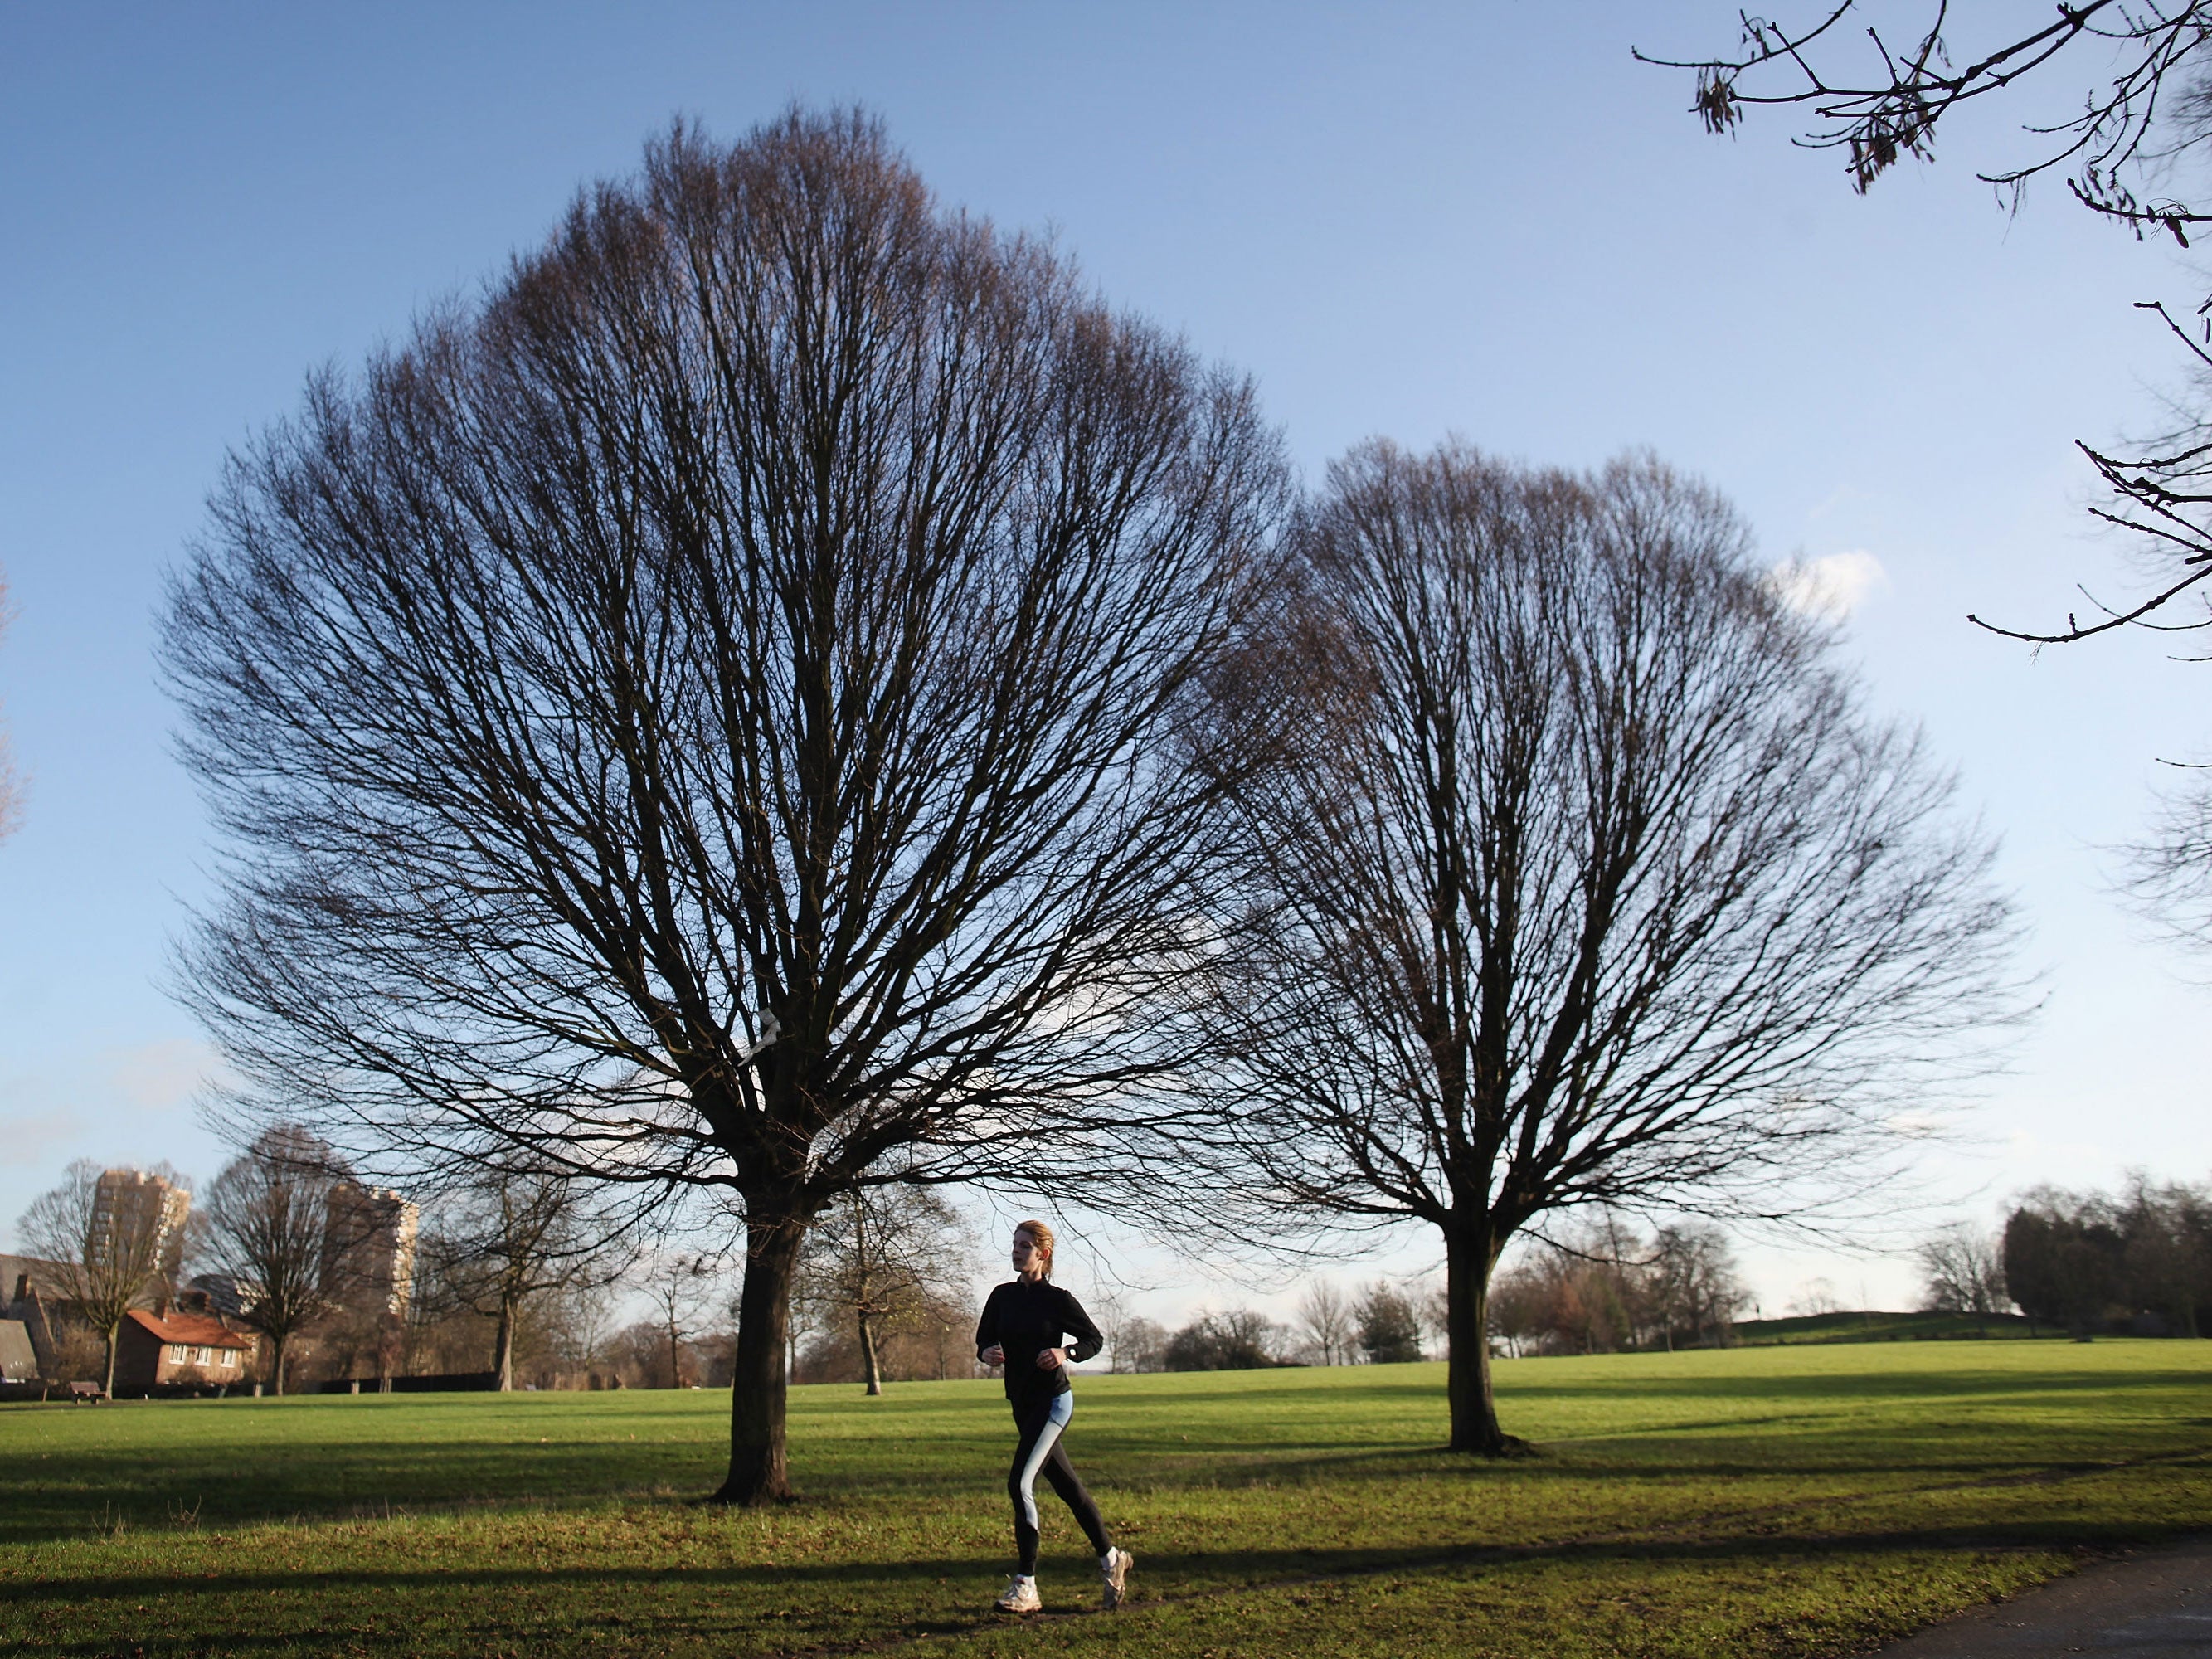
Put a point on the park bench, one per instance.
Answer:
(87, 1394)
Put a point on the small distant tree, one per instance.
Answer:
(1815, 1297)
(641, 1356)
(1689, 1285)
(1141, 1346)
(107, 1260)
(509, 1237)
(2166, 1260)
(1324, 1320)
(1519, 1299)
(881, 1257)
(2087, 1260)
(1433, 1302)
(1111, 1311)
(1608, 1285)
(1238, 1339)
(579, 1321)
(269, 1227)
(2064, 1259)
(1389, 1329)
(681, 1288)
(1962, 1270)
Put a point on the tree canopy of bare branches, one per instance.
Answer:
(1577, 875)
(701, 717)
(109, 1256)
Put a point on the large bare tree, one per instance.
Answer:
(113, 1247)
(701, 716)
(1577, 876)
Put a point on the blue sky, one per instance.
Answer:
(1406, 220)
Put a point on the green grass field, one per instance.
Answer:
(1777, 1501)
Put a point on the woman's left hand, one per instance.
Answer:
(1052, 1358)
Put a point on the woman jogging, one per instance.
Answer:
(1021, 1325)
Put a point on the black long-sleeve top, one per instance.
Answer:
(1025, 1318)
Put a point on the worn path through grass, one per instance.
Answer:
(1776, 1501)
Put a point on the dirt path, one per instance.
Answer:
(2152, 1604)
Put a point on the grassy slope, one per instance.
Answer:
(1804, 1500)
(1893, 1328)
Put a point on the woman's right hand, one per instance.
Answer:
(994, 1355)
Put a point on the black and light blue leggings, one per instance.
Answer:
(1038, 1451)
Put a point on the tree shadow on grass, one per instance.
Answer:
(104, 1487)
(1841, 1391)
(809, 1606)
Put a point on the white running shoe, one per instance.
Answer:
(1021, 1596)
(1114, 1567)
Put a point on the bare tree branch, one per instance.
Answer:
(1891, 109)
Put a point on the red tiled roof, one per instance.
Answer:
(195, 1330)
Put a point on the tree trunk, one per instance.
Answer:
(277, 1362)
(869, 1364)
(108, 1388)
(1469, 1257)
(502, 1353)
(758, 1470)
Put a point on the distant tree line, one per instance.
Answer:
(2138, 1261)
(1609, 1287)
(510, 1278)
(1381, 1325)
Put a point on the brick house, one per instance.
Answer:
(167, 1347)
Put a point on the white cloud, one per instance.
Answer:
(1832, 587)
